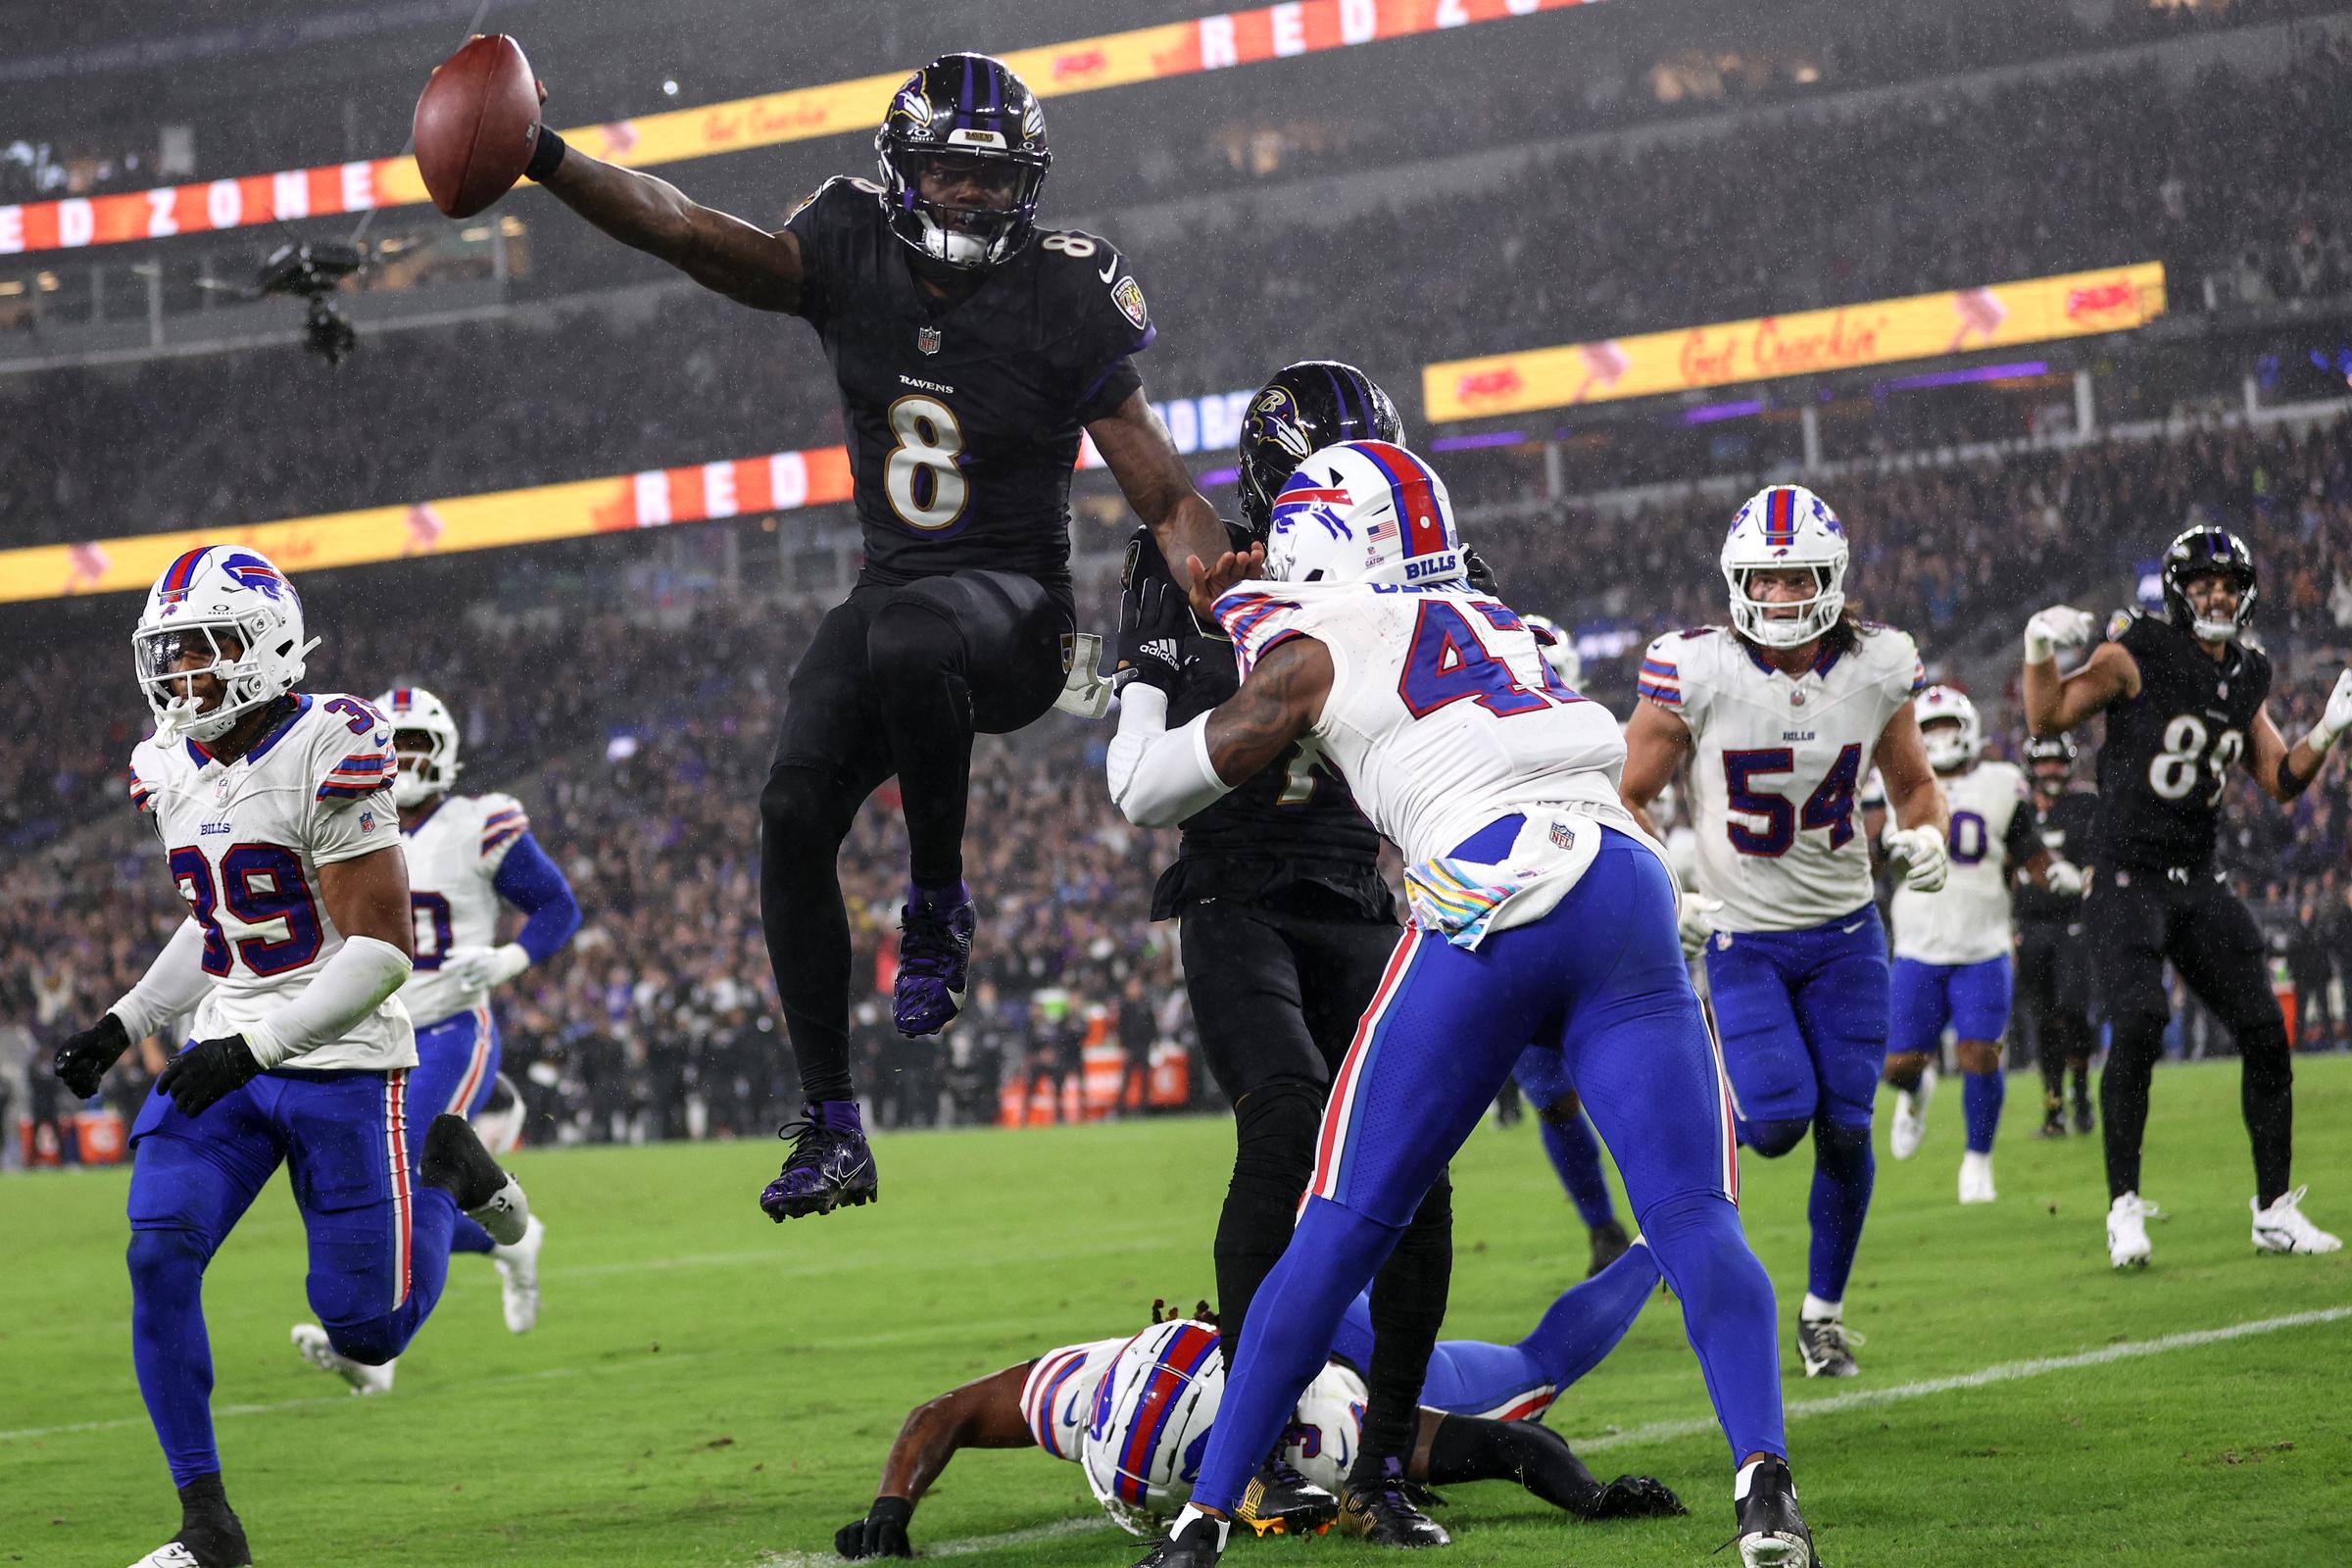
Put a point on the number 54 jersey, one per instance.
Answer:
(245, 841)
(1777, 767)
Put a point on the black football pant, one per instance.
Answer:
(1276, 993)
(2053, 997)
(2137, 920)
(896, 680)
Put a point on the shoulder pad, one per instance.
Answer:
(1698, 631)
(839, 183)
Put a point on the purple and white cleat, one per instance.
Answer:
(935, 958)
(830, 1165)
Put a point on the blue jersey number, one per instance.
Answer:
(430, 912)
(1830, 805)
(262, 884)
(1449, 663)
(1970, 840)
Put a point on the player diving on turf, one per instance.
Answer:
(1479, 1417)
(972, 350)
(1542, 911)
(274, 813)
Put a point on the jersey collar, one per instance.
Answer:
(439, 802)
(279, 731)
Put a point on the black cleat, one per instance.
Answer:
(1609, 1243)
(456, 1162)
(2052, 1126)
(1279, 1501)
(1772, 1532)
(209, 1535)
(1826, 1346)
(1385, 1512)
(2082, 1122)
(1195, 1541)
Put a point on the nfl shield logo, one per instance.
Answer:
(926, 338)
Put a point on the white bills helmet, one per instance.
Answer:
(1781, 526)
(1327, 1426)
(1948, 724)
(1559, 653)
(432, 771)
(212, 600)
(1144, 1442)
(1363, 511)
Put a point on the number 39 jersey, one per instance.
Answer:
(1443, 714)
(2168, 751)
(453, 854)
(1993, 832)
(245, 841)
(1777, 768)
(963, 420)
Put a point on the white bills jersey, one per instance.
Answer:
(1059, 1398)
(454, 856)
(1443, 714)
(245, 841)
(1777, 766)
(1993, 832)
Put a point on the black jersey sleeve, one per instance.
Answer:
(2023, 838)
(1095, 289)
(823, 225)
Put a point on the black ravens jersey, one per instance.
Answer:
(963, 419)
(2168, 751)
(2069, 830)
(1293, 824)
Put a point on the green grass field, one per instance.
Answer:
(707, 1387)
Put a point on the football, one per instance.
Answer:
(477, 122)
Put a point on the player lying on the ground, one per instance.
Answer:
(973, 349)
(2186, 697)
(1780, 715)
(467, 854)
(1542, 911)
(275, 811)
(1285, 923)
(1479, 1420)
(1951, 946)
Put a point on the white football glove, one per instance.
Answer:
(2059, 626)
(2064, 878)
(1918, 853)
(1086, 691)
(1695, 922)
(485, 968)
(2336, 719)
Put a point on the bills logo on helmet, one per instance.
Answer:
(252, 572)
(1304, 500)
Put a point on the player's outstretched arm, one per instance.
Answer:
(2285, 772)
(1655, 744)
(982, 1414)
(1161, 776)
(2055, 703)
(717, 250)
(1136, 449)
(1917, 843)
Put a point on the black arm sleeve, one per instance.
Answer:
(2024, 835)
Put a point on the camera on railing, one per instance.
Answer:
(312, 270)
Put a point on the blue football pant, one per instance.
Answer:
(378, 1243)
(1431, 1051)
(457, 1071)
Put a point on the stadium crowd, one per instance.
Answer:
(1777, 217)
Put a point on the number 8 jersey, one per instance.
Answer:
(2168, 751)
(245, 841)
(1777, 768)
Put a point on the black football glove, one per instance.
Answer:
(1154, 621)
(1633, 1497)
(84, 1058)
(882, 1533)
(207, 1070)
(1479, 574)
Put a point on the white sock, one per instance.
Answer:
(1745, 1479)
(1815, 1308)
(1192, 1513)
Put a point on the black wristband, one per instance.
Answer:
(547, 156)
(892, 1511)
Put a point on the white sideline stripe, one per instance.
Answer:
(1664, 1431)
(969, 1546)
(1984, 1377)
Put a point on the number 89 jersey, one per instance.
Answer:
(245, 841)
(1777, 768)
(2168, 751)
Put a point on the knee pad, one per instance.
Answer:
(166, 1259)
(804, 805)
(1839, 1146)
(1979, 1055)
(912, 638)
(1773, 1139)
(1274, 1131)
